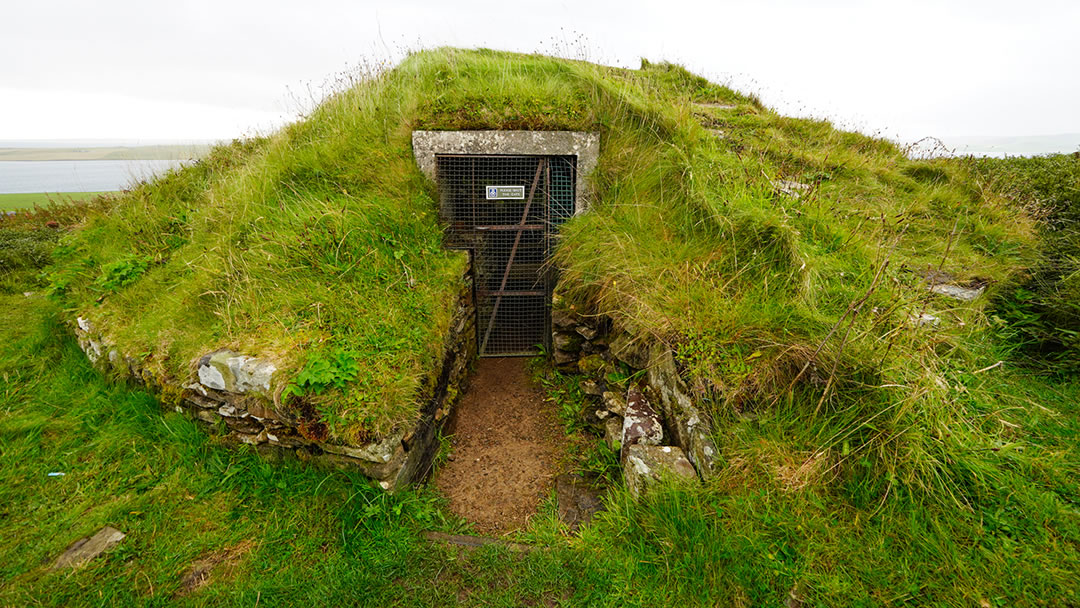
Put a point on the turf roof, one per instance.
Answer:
(319, 247)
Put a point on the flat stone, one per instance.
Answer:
(248, 426)
(562, 319)
(209, 416)
(385, 473)
(591, 387)
(586, 332)
(790, 188)
(566, 341)
(591, 364)
(614, 403)
(956, 292)
(86, 549)
(198, 388)
(648, 464)
(285, 441)
(591, 347)
(641, 425)
(378, 451)
(225, 370)
(200, 401)
(261, 411)
(578, 500)
(228, 409)
(563, 357)
(257, 438)
(613, 432)
(630, 351)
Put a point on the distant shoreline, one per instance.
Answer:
(155, 152)
(12, 203)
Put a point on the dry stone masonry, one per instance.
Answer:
(654, 424)
(235, 393)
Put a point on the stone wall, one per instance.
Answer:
(236, 395)
(656, 410)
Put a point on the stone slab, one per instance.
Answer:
(641, 425)
(956, 292)
(689, 427)
(578, 500)
(648, 464)
(86, 549)
(463, 540)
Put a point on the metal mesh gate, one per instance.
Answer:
(505, 210)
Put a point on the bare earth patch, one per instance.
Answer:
(507, 444)
(218, 565)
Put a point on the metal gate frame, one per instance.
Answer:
(485, 233)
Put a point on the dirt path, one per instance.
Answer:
(506, 444)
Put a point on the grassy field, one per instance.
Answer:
(169, 152)
(282, 534)
(865, 458)
(27, 200)
(775, 522)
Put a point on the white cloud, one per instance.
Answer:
(216, 68)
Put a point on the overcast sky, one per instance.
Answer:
(210, 69)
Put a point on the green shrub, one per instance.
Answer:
(121, 273)
(324, 370)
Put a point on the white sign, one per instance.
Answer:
(505, 192)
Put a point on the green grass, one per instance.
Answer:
(29, 200)
(1042, 306)
(864, 460)
(764, 526)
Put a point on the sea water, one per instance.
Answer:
(78, 175)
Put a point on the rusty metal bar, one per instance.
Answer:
(513, 252)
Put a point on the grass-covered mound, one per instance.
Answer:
(902, 468)
(319, 246)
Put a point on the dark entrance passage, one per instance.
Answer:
(505, 210)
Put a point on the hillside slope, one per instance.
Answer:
(781, 258)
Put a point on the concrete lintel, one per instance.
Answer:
(585, 146)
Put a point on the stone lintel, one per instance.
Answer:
(584, 145)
